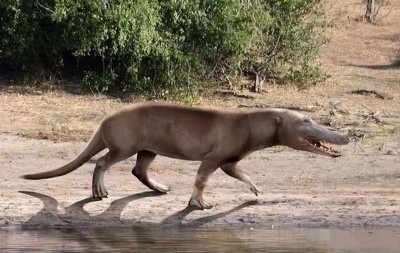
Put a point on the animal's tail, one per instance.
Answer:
(96, 144)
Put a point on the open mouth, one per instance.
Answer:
(324, 147)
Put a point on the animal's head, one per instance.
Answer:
(302, 133)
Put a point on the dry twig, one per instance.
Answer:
(372, 114)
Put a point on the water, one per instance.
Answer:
(373, 240)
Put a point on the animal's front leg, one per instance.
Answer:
(205, 170)
(234, 171)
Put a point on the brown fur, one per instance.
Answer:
(217, 138)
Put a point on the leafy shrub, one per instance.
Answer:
(29, 38)
(286, 48)
(163, 47)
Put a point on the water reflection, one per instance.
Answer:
(173, 239)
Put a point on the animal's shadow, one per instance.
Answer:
(75, 214)
(178, 217)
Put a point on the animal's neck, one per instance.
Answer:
(263, 129)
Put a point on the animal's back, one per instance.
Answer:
(170, 130)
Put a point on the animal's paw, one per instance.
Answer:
(99, 192)
(161, 188)
(200, 203)
(255, 190)
(154, 185)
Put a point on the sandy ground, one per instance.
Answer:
(298, 189)
(43, 130)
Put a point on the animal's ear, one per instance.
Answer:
(278, 120)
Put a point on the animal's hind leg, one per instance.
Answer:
(102, 164)
(143, 161)
(232, 170)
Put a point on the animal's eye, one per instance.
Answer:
(307, 120)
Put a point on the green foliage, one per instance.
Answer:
(163, 47)
(28, 36)
(288, 46)
(99, 83)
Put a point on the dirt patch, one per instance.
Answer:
(44, 130)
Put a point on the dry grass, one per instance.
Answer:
(54, 115)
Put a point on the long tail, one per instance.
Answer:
(96, 144)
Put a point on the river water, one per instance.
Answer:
(233, 239)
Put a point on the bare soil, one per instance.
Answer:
(42, 130)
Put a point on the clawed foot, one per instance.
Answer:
(161, 188)
(200, 203)
(152, 184)
(99, 191)
(255, 190)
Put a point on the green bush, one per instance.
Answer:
(29, 38)
(163, 47)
